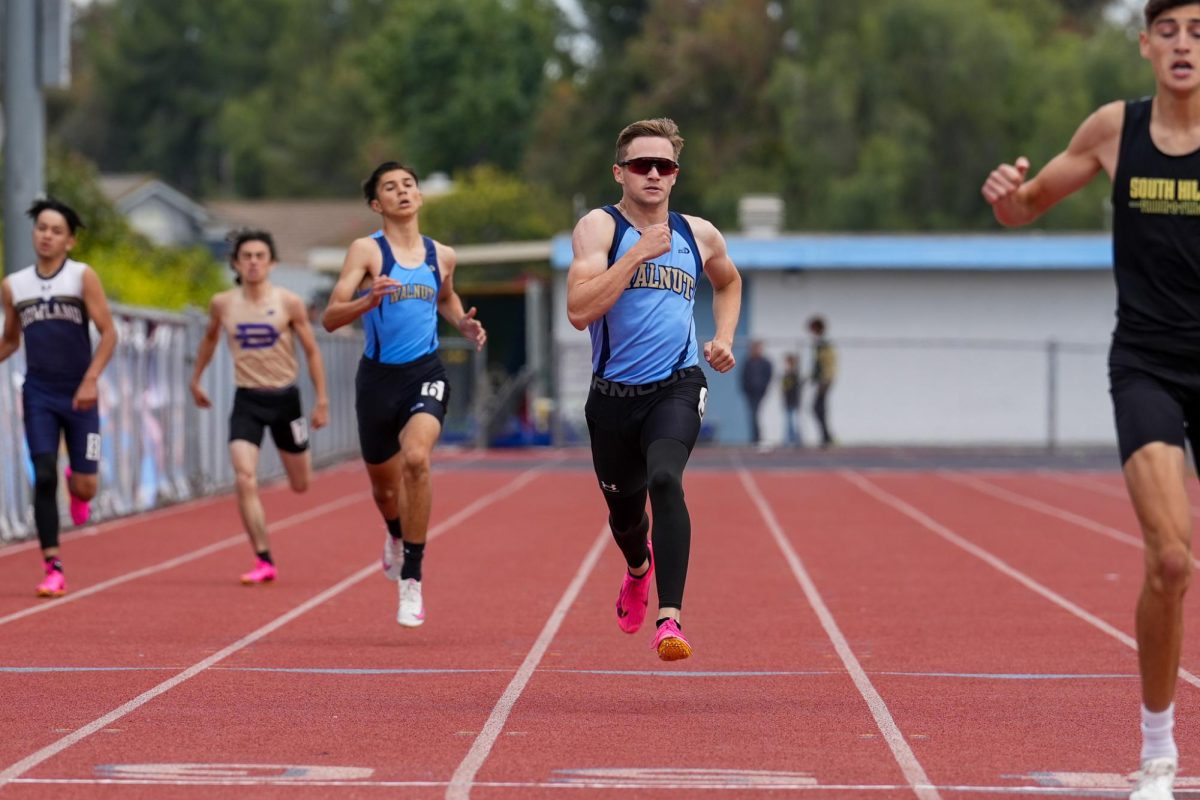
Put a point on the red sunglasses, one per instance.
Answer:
(642, 166)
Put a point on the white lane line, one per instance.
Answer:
(49, 751)
(72, 534)
(277, 485)
(1025, 501)
(1089, 483)
(171, 563)
(891, 500)
(238, 538)
(914, 773)
(464, 776)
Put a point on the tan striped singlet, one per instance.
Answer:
(260, 339)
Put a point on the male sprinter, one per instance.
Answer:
(397, 281)
(632, 283)
(52, 303)
(1150, 148)
(259, 319)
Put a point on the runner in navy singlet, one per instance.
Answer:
(53, 304)
(632, 284)
(1150, 149)
(397, 282)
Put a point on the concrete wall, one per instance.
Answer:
(925, 356)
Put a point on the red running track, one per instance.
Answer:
(858, 635)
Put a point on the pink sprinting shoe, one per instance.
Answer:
(263, 572)
(81, 510)
(670, 643)
(54, 584)
(632, 599)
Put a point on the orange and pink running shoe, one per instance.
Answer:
(670, 643)
(633, 598)
(263, 572)
(81, 510)
(53, 585)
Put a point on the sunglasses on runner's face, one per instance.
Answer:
(642, 166)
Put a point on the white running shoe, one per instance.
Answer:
(1156, 779)
(412, 607)
(393, 557)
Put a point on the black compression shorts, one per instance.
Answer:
(624, 419)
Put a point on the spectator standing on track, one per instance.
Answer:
(52, 303)
(824, 372)
(790, 384)
(1150, 148)
(259, 320)
(632, 284)
(398, 281)
(756, 379)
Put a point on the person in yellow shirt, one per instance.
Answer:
(824, 372)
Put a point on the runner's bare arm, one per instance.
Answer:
(450, 305)
(298, 316)
(727, 293)
(10, 340)
(343, 306)
(96, 304)
(208, 346)
(1016, 201)
(592, 286)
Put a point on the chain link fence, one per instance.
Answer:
(899, 391)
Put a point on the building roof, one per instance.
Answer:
(1003, 251)
(300, 226)
(129, 190)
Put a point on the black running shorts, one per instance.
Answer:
(276, 409)
(387, 397)
(1154, 400)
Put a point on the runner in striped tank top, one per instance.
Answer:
(397, 282)
(632, 285)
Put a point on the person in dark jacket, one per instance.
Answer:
(756, 377)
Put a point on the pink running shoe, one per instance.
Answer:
(632, 600)
(54, 584)
(670, 643)
(263, 572)
(81, 510)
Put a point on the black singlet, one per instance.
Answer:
(1156, 244)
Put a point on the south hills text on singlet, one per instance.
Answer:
(1156, 242)
(650, 332)
(260, 339)
(54, 323)
(403, 327)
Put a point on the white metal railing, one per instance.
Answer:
(158, 447)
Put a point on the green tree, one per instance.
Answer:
(487, 205)
(901, 140)
(458, 82)
(164, 72)
(133, 270)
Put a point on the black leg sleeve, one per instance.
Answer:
(630, 525)
(672, 536)
(45, 499)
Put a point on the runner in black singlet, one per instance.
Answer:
(1151, 150)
